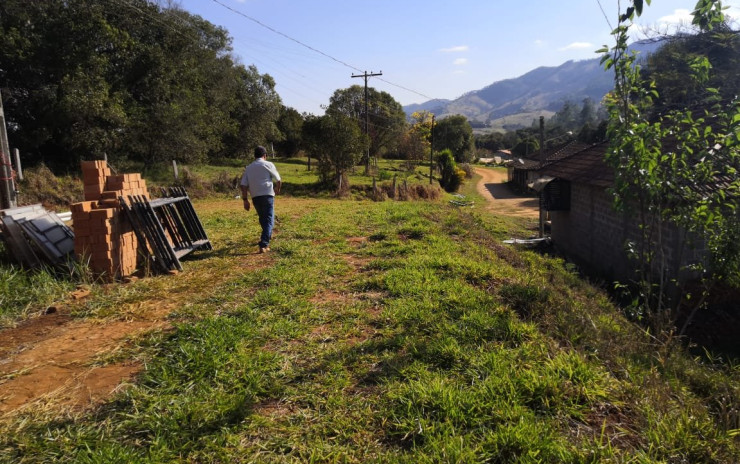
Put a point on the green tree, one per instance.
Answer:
(386, 118)
(416, 142)
(526, 147)
(256, 111)
(492, 141)
(456, 134)
(337, 143)
(676, 59)
(676, 167)
(135, 80)
(290, 125)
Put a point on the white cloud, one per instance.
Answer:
(457, 49)
(460, 61)
(577, 46)
(540, 43)
(679, 16)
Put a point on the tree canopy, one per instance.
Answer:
(386, 118)
(132, 80)
(676, 161)
(456, 134)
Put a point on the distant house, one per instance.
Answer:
(584, 223)
(505, 155)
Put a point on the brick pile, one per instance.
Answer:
(103, 235)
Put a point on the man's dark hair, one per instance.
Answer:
(260, 151)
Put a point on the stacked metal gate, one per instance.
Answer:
(167, 228)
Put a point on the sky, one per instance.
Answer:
(425, 49)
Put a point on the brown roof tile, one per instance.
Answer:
(585, 165)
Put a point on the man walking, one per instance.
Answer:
(262, 181)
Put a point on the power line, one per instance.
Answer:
(343, 63)
(605, 15)
(286, 35)
(406, 89)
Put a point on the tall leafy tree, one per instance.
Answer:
(54, 59)
(256, 110)
(416, 142)
(386, 118)
(456, 134)
(678, 57)
(85, 77)
(290, 125)
(675, 167)
(338, 144)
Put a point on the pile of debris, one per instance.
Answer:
(34, 236)
(114, 230)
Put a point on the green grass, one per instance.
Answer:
(386, 332)
(23, 293)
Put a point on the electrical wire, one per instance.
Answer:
(337, 60)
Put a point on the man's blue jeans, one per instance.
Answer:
(264, 205)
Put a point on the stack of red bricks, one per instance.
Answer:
(103, 235)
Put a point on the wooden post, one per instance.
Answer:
(174, 169)
(431, 155)
(7, 186)
(18, 167)
(542, 192)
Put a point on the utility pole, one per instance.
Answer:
(365, 75)
(431, 154)
(7, 186)
(542, 192)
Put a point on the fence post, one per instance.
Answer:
(7, 186)
(18, 167)
(174, 168)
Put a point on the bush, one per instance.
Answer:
(452, 176)
(40, 185)
(468, 169)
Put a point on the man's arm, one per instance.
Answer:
(245, 196)
(276, 185)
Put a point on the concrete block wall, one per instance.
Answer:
(595, 236)
(103, 235)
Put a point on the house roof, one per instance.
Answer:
(584, 165)
(537, 160)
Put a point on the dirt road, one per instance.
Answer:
(501, 199)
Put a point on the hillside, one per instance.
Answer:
(394, 331)
(512, 102)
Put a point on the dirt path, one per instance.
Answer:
(501, 200)
(55, 359)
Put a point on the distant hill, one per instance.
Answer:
(540, 91)
(436, 106)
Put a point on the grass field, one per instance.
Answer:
(379, 332)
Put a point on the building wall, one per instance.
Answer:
(591, 232)
(594, 235)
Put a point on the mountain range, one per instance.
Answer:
(513, 103)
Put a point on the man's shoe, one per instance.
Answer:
(264, 249)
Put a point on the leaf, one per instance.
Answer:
(638, 7)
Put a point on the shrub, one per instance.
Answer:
(468, 169)
(452, 176)
(40, 185)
